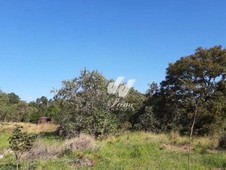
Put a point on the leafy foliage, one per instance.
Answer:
(104, 123)
(82, 101)
(13, 109)
(20, 142)
(193, 94)
(87, 107)
(147, 120)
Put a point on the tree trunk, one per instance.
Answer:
(191, 134)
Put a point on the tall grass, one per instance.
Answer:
(129, 150)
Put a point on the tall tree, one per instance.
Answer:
(195, 90)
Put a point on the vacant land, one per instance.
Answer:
(128, 150)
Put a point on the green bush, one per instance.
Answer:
(34, 117)
(20, 142)
(103, 123)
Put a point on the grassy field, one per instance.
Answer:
(129, 150)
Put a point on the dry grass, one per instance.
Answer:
(83, 142)
(173, 148)
(45, 151)
(28, 127)
(181, 143)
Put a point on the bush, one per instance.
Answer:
(104, 123)
(20, 142)
(34, 117)
(100, 123)
(147, 121)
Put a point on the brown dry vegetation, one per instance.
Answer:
(46, 151)
(28, 127)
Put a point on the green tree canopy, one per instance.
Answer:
(194, 90)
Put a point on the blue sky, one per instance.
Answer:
(43, 42)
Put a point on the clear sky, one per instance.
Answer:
(43, 42)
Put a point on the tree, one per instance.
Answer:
(83, 100)
(13, 109)
(192, 97)
(42, 105)
(194, 90)
(3, 105)
(19, 112)
(145, 118)
(13, 98)
(128, 107)
(53, 111)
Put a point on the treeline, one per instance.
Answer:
(191, 100)
(13, 109)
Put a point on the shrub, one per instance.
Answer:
(147, 121)
(103, 123)
(20, 142)
(34, 117)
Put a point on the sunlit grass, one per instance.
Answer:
(128, 150)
